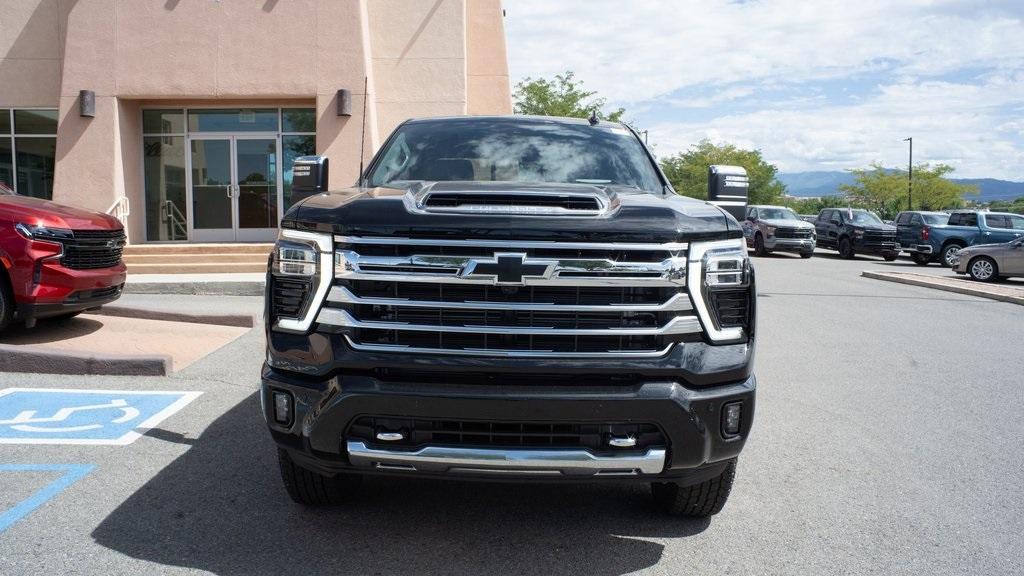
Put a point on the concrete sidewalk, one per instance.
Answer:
(1002, 292)
(234, 284)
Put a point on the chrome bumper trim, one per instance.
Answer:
(509, 461)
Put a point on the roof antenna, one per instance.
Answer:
(593, 117)
(362, 137)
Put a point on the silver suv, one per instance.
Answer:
(777, 228)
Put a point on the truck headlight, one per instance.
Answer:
(294, 259)
(721, 282)
(769, 230)
(301, 272)
(858, 233)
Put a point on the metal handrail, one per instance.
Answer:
(170, 212)
(121, 209)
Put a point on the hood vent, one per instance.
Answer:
(513, 203)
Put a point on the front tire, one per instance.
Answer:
(6, 303)
(759, 249)
(807, 254)
(698, 500)
(890, 257)
(846, 248)
(314, 489)
(921, 259)
(983, 269)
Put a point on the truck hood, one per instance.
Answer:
(30, 210)
(632, 216)
(778, 223)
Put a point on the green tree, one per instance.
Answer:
(563, 96)
(814, 205)
(688, 171)
(884, 190)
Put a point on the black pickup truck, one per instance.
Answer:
(515, 298)
(853, 231)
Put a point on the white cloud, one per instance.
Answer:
(953, 123)
(948, 73)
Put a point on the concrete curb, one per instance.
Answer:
(196, 288)
(945, 284)
(238, 320)
(42, 361)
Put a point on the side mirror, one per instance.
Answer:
(728, 188)
(309, 175)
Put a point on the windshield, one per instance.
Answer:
(515, 151)
(935, 219)
(777, 214)
(862, 217)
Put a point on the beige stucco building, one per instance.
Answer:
(201, 105)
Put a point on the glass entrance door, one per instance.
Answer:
(234, 188)
(256, 188)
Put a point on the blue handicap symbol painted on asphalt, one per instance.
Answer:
(67, 416)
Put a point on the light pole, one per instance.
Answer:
(910, 174)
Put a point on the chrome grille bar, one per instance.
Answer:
(557, 272)
(343, 319)
(678, 302)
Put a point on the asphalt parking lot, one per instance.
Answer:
(887, 441)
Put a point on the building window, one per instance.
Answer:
(167, 133)
(28, 150)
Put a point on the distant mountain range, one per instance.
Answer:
(826, 183)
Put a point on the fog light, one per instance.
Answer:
(282, 407)
(731, 416)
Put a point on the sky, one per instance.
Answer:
(813, 84)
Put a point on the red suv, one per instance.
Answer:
(57, 261)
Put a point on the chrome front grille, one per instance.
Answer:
(509, 298)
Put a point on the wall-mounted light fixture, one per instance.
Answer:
(86, 103)
(344, 102)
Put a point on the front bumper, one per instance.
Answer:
(690, 419)
(862, 246)
(789, 244)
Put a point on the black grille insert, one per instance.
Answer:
(732, 307)
(486, 434)
(91, 249)
(289, 296)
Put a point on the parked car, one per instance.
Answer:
(988, 262)
(968, 228)
(452, 318)
(914, 232)
(854, 231)
(58, 261)
(777, 228)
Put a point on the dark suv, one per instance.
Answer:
(517, 298)
(853, 231)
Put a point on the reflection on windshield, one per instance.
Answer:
(777, 214)
(515, 151)
(862, 217)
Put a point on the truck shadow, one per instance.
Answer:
(221, 508)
